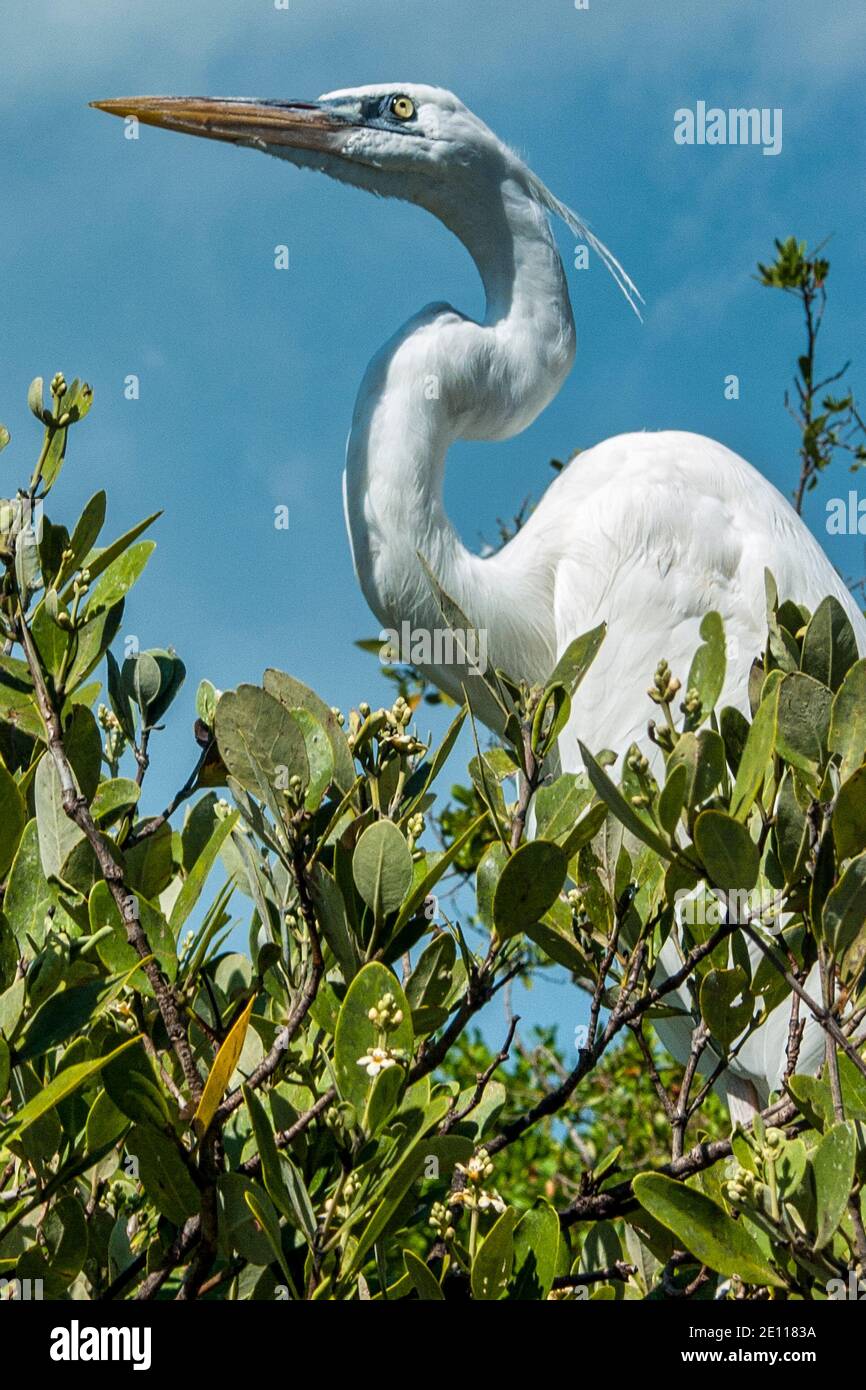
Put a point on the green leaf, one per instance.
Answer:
(320, 756)
(672, 796)
(703, 757)
(383, 1099)
(491, 1268)
(260, 742)
(756, 759)
(120, 697)
(114, 799)
(118, 578)
(97, 561)
(559, 945)
(849, 816)
(707, 671)
(356, 1034)
(299, 1197)
(814, 1100)
(295, 695)
(52, 544)
(833, 1166)
(105, 1123)
(164, 1175)
(85, 534)
(734, 729)
(725, 1018)
(803, 721)
(240, 1229)
(430, 983)
(705, 1230)
(13, 818)
(35, 397)
(84, 749)
(267, 1219)
(206, 702)
(115, 951)
(791, 831)
(487, 876)
(536, 1247)
(150, 864)
(558, 807)
(576, 660)
(829, 646)
(424, 1281)
(60, 1256)
(844, 916)
(382, 867)
(728, 852)
(586, 829)
(62, 1014)
(28, 895)
(333, 922)
(64, 1084)
(142, 677)
(292, 1201)
(94, 639)
(616, 802)
(58, 834)
(847, 735)
(17, 699)
(528, 886)
(424, 887)
(424, 776)
(467, 640)
(853, 1088)
(198, 874)
(131, 1086)
(441, 1153)
(172, 674)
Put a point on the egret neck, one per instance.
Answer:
(444, 377)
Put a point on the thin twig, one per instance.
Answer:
(454, 1116)
(76, 807)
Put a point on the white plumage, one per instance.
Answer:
(647, 532)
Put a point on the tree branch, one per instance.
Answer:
(77, 809)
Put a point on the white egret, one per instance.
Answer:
(647, 531)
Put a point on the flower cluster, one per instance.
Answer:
(385, 1016)
(747, 1186)
(378, 1059)
(475, 1196)
(114, 736)
(389, 727)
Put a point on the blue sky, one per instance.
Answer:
(156, 258)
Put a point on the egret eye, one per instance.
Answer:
(403, 108)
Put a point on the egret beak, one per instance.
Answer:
(304, 125)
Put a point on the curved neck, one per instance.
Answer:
(443, 377)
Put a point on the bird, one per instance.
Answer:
(647, 532)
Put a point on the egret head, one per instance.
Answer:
(396, 139)
(399, 140)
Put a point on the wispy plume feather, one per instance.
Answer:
(577, 225)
